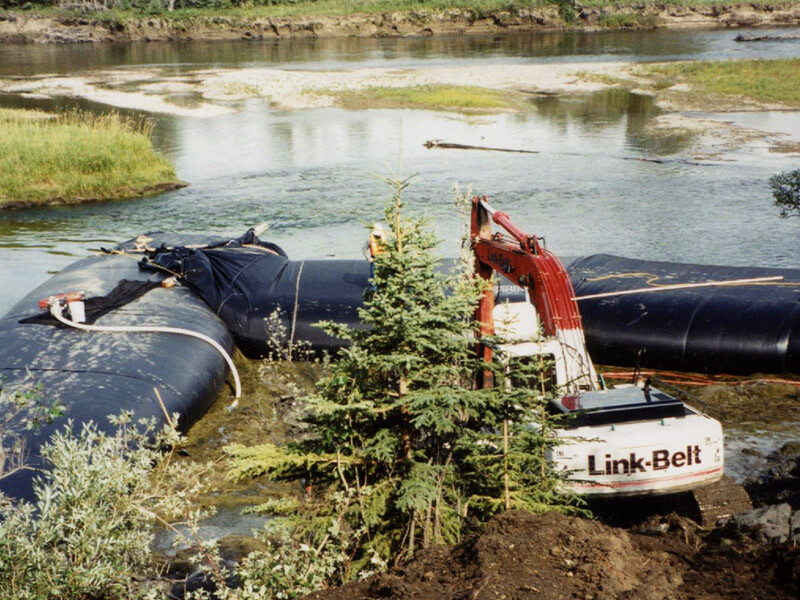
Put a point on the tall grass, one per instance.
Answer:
(769, 81)
(76, 156)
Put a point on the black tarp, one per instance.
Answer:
(95, 307)
(266, 300)
(738, 330)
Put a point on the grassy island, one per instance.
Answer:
(76, 157)
(434, 97)
(765, 81)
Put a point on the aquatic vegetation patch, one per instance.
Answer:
(268, 412)
(436, 97)
(75, 157)
(755, 405)
(765, 81)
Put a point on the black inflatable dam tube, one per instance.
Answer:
(740, 329)
(736, 330)
(269, 301)
(96, 375)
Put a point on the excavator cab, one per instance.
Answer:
(630, 440)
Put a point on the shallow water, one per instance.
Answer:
(746, 452)
(310, 173)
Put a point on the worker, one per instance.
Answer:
(376, 246)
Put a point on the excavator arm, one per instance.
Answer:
(522, 259)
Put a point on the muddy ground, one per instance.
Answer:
(551, 556)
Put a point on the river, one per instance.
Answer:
(310, 173)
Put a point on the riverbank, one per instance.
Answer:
(334, 18)
(73, 158)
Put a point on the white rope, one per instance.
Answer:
(680, 286)
(56, 311)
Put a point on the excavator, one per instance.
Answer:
(632, 440)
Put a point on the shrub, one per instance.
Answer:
(786, 192)
(22, 409)
(88, 532)
(402, 443)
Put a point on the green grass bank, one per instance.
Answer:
(76, 157)
(298, 8)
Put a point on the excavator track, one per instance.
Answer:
(705, 505)
(719, 500)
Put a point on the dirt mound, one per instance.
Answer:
(519, 555)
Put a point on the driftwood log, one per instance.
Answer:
(749, 37)
(439, 144)
(449, 146)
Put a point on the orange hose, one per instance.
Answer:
(697, 380)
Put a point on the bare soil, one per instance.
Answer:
(552, 556)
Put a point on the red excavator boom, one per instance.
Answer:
(522, 259)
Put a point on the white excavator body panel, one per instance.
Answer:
(630, 441)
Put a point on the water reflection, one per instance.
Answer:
(610, 109)
(333, 53)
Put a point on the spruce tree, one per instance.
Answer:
(389, 414)
(402, 442)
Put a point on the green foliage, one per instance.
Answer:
(389, 413)
(22, 409)
(76, 156)
(566, 9)
(436, 97)
(786, 192)
(304, 551)
(508, 465)
(479, 9)
(288, 568)
(87, 535)
(403, 446)
(769, 81)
